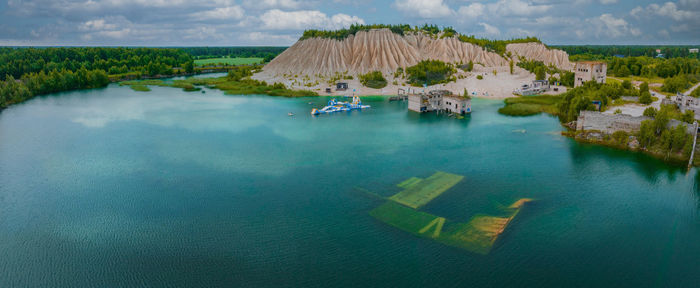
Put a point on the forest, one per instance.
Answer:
(28, 72)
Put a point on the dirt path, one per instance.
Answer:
(692, 89)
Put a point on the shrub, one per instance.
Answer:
(430, 72)
(373, 79)
(645, 98)
(627, 84)
(618, 111)
(675, 84)
(479, 77)
(650, 112)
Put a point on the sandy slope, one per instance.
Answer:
(310, 63)
(539, 52)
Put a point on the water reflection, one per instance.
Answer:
(587, 156)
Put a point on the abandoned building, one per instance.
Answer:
(590, 71)
(341, 86)
(537, 87)
(685, 103)
(441, 101)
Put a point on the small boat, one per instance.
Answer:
(290, 114)
(335, 106)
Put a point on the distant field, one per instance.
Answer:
(228, 61)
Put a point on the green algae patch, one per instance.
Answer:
(140, 88)
(420, 192)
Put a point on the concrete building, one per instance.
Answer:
(590, 71)
(537, 87)
(439, 100)
(693, 50)
(685, 103)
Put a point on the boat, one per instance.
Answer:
(290, 114)
(335, 106)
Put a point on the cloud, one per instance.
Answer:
(608, 2)
(224, 13)
(503, 8)
(490, 30)
(607, 26)
(298, 20)
(424, 8)
(668, 9)
(272, 4)
(474, 10)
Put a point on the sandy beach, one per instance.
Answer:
(494, 86)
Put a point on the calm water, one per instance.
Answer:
(115, 188)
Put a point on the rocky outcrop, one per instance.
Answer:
(373, 50)
(540, 52)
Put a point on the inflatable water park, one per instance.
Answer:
(335, 106)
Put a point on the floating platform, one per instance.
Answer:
(335, 106)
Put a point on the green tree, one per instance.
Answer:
(189, 67)
(650, 112)
(644, 87)
(645, 98)
(627, 84)
(540, 73)
(510, 63)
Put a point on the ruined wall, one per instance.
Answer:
(606, 123)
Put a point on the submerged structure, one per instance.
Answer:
(439, 100)
(335, 106)
(478, 235)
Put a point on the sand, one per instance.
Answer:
(498, 86)
(312, 63)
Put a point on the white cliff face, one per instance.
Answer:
(379, 50)
(539, 52)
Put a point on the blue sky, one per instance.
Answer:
(281, 22)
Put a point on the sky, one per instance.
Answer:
(281, 22)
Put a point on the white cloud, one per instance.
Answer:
(490, 30)
(504, 8)
(272, 4)
(517, 8)
(608, 2)
(298, 20)
(474, 10)
(668, 9)
(424, 8)
(223, 13)
(607, 26)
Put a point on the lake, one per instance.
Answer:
(114, 188)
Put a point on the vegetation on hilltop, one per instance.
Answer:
(373, 79)
(430, 72)
(498, 46)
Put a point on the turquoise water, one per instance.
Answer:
(116, 188)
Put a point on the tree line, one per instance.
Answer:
(267, 53)
(600, 52)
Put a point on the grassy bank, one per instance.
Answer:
(530, 105)
(226, 84)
